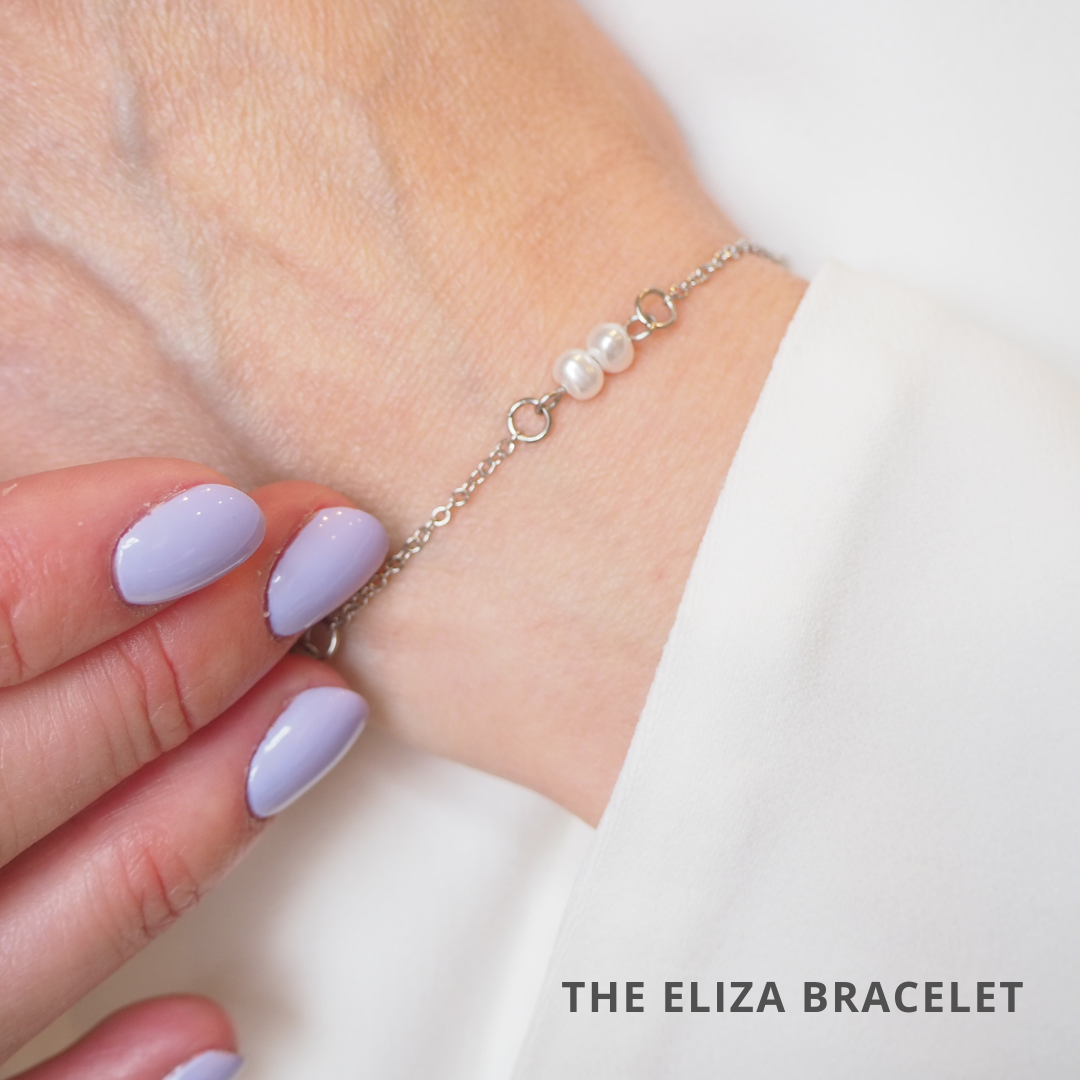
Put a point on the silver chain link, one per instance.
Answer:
(329, 630)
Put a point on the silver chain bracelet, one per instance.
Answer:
(581, 374)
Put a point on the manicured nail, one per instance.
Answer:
(211, 1065)
(305, 742)
(193, 539)
(328, 560)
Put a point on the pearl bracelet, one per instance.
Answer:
(609, 350)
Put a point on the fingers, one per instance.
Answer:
(86, 898)
(151, 1041)
(117, 645)
(75, 731)
(88, 552)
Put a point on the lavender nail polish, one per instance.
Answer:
(193, 539)
(327, 561)
(211, 1065)
(304, 743)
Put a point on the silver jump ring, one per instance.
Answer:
(651, 321)
(324, 650)
(544, 410)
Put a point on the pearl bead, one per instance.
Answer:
(579, 373)
(610, 345)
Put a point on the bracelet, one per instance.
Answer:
(609, 349)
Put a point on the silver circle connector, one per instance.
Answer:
(319, 641)
(651, 321)
(543, 410)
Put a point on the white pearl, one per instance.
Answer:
(610, 345)
(579, 373)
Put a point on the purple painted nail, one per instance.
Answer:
(211, 1065)
(328, 560)
(193, 539)
(304, 743)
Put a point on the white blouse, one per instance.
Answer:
(858, 760)
(855, 770)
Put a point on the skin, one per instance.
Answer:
(125, 731)
(333, 242)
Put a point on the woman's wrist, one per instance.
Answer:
(338, 248)
(524, 639)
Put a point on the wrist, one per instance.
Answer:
(343, 264)
(524, 639)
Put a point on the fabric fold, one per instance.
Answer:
(856, 761)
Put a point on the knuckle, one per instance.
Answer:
(140, 699)
(146, 885)
(13, 669)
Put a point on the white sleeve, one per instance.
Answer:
(857, 763)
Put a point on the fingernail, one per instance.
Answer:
(328, 560)
(211, 1065)
(305, 742)
(193, 539)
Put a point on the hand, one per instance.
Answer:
(336, 240)
(120, 641)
